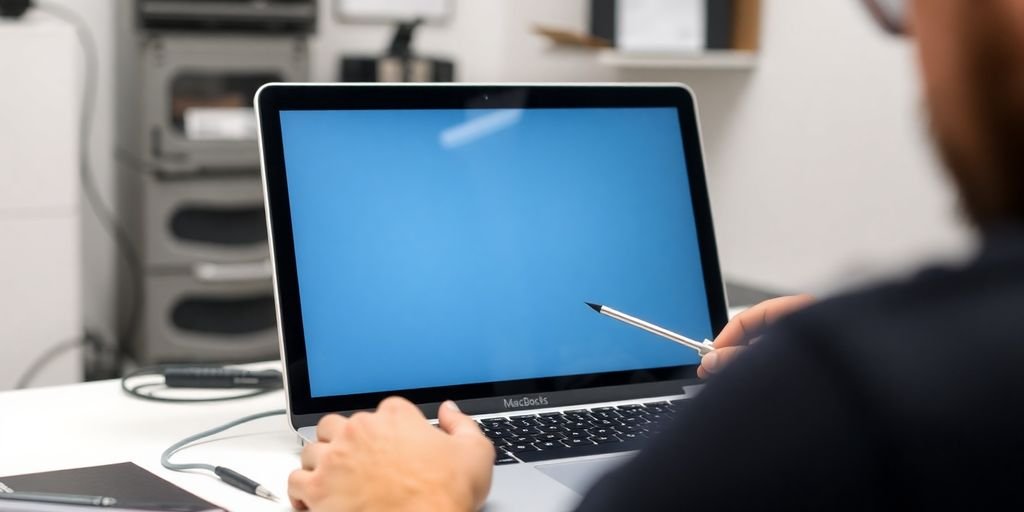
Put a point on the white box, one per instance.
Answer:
(661, 26)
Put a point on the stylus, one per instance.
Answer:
(62, 499)
(702, 347)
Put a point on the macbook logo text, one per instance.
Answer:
(519, 403)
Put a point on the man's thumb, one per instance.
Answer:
(454, 422)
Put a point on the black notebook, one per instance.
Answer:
(133, 487)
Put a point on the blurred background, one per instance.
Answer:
(137, 236)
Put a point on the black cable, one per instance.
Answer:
(115, 229)
(46, 357)
(271, 382)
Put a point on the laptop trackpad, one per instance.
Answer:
(579, 476)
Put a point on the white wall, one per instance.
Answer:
(38, 303)
(819, 168)
(40, 260)
(822, 172)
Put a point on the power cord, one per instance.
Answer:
(200, 377)
(111, 224)
(227, 475)
(208, 377)
(49, 355)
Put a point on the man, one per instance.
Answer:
(907, 396)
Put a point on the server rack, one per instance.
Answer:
(188, 186)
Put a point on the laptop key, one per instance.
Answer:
(523, 423)
(634, 421)
(503, 458)
(524, 431)
(520, 448)
(655, 404)
(632, 428)
(547, 422)
(580, 418)
(578, 441)
(658, 418)
(605, 439)
(549, 445)
(633, 413)
(549, 437)
(580, 451)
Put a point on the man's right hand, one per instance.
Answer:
(746, 327)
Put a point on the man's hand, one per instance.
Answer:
(393, 460)
(746, 327)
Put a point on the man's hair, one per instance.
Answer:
(992, 184)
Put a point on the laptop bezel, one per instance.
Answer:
(480, 398)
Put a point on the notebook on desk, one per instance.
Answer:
(441, 242)
(133, 487)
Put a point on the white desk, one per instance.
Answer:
(95, 423)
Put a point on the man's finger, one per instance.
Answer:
(298, 483)
(752, 322)
(330, 427)
(477, 449)
(311, 455)
(714, 361)
(399, 406)
(454, 422)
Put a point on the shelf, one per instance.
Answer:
(710, 60)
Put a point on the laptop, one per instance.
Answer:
(442, 242)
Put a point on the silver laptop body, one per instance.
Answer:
(392, 206)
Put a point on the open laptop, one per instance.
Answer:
(441, 242)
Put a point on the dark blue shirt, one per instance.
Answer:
(908, 396)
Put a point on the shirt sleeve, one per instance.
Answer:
(776, 430)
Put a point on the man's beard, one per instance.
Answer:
(990, 177)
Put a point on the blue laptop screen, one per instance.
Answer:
(446, 247)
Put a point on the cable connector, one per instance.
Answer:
(211, 377)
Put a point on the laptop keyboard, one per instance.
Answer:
(577, 432)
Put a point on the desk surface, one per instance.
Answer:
(95, 423)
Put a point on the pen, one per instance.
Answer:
(702, 347)
(63, 499)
